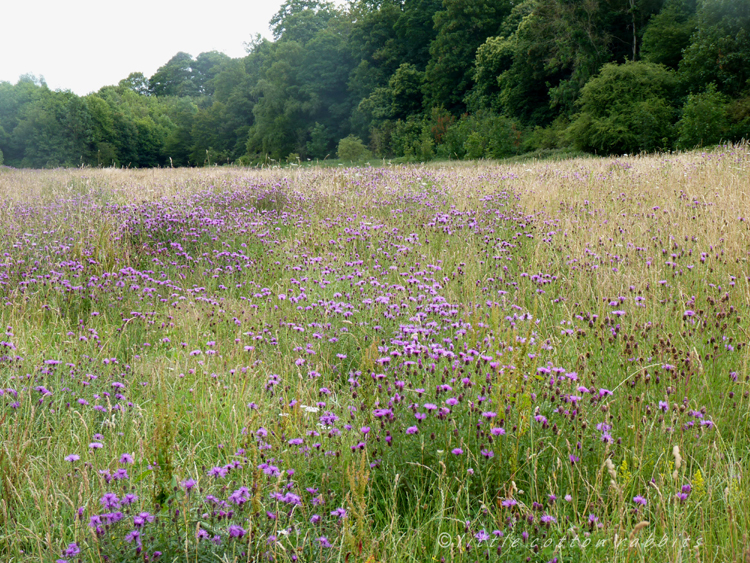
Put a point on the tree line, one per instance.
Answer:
(413, 79)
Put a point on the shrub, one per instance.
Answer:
(381, 141)
(626, 109)
(704, 119)
(554, 136)
(738, 113)
(352, 148)
(482, 135)
(412, 139)
(317, 146)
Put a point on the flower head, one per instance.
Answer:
(236, 531)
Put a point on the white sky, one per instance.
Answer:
(82, 45)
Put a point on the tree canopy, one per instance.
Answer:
(412, 79)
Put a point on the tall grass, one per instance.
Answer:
(534, 361)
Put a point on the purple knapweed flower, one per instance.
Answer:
(139, 520)
(109, 501)
(547, 519)
(218, 471)
(240, 496)
(236, 531)
(481, 536)
(340, 512)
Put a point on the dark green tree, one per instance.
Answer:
(510, 75)
(137, 82)
(719, 50)
(282, 109)
(175, 78)
(406, 86)
(300, 20)
(205, 69)
(324, 74)
(179, 146)
(668, 33)
(415, 31)
(462, 26)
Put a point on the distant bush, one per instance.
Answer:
(381, 139)
(626, 109)
(738, 113)
(412, 139)
(352, 148)
(1, 157)
(317, 146)
(552, 137)
(704, 119)
(482, 135)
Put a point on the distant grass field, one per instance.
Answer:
(541, 361)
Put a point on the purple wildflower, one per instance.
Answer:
(109, 501)
(236, 531)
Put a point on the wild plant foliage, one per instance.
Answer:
(538, 361)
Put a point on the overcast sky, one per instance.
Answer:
(82, 45)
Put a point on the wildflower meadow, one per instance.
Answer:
(536, 361)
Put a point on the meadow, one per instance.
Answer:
(536, 361)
